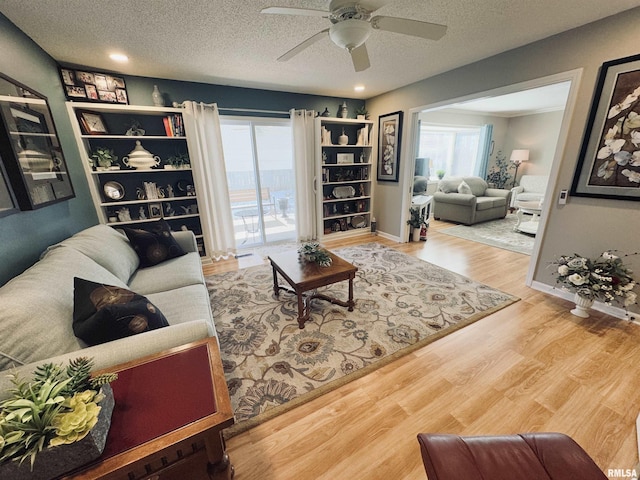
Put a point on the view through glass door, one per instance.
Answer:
(258, 157)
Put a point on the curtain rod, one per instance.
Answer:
(251, 110)
(247, 110)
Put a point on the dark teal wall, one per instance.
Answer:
(25, 235)
(139, 90)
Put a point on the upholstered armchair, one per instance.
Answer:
(469, 200)
(531, 189)
(534, 456)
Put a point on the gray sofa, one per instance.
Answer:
(478, 203)
(36, 307)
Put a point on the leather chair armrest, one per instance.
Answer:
(455, 198)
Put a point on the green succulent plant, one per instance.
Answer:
(58, 406)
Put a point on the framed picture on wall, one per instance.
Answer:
(34, 166)
(609, 161)
(389, 135)
(93, 86)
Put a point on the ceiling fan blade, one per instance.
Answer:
(360, 58)
(307, 43)
(373, 5)
(295, 11)
(430, 31)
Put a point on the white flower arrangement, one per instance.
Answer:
(313, 252)
(605, 278)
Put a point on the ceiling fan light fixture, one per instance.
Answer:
(350, 33)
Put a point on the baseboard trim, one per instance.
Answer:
(388, 236)
(599, 306)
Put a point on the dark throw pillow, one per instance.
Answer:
(102, 313)
(154, 244)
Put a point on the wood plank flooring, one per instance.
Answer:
(529, 367)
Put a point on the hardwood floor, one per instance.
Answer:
(529, 367)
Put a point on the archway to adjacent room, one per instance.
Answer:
(413, 137)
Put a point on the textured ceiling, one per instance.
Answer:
(229, 42)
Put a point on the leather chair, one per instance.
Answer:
(526, 456)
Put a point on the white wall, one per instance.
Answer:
(584, 225)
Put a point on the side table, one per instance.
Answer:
(532, 208)
(170, 410)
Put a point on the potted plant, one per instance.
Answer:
(415, 222)
(50, 416)
(362, 113)
(103, 158)
(605, 278)
(440, 173)
(313, 252)
(499, 176)
(177, 161)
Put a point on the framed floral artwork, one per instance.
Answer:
(609, 162)
(389, 135)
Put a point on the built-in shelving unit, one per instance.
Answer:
(343, 156)
(128, 196)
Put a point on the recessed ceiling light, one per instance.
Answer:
(119, 57)
(359, 88)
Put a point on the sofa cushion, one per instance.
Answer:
(107, 247)
(185, 304)
(38, 304)
(171, 274)
(478, 185)
(464, 188)
(154, 244)
(487, 203)
(102, 313)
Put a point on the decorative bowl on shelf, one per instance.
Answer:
(113, 190)
(358, 222)
(344, 192)
(141, 158)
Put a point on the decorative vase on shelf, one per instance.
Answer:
(156, 96)
(343, 139)
(343, 110)
(582, 306)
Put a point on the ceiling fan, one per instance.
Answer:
(352, 24)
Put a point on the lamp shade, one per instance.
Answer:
(518, 156)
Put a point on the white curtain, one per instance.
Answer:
(302, 123)
(484, 151)
(204, 139)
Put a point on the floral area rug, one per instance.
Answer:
(497, 233)
(402, 303)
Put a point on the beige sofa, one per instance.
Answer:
(473, 204)
(36, 307)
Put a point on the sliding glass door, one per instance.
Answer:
(259, 162)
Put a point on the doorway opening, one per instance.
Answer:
(504, 98)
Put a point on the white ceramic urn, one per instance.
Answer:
(141, 158)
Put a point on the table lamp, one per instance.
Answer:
(517, 157)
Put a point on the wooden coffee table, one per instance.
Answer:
(170, 409)
(305, 276)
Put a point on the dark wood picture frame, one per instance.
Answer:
(30, 149)
(389, 138)
(609, 161)
(8, 203)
